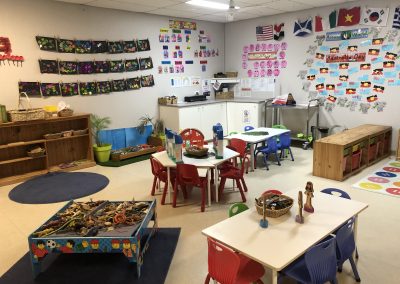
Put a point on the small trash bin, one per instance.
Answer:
(322, 132)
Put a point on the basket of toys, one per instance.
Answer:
(276, 205)
(197, 151)
(65, 112)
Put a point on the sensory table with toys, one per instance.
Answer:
(96, 227)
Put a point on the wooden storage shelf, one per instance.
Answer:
(16, 138)
(344, 154)
(20, 160)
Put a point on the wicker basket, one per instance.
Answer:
(274, 213)
(80, 132)
(36, 154)
(67, 133)
(65, 112)
(25, 114)
(52, 136)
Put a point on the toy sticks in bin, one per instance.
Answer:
(25, 114)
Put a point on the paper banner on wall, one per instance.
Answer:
(394, 83)
(324, 48)
(321, 80)
(320, 64)
(187, 25)
(344, 44)
(365, 91)
(346, 57)
(387, 47)
(377, 60)
(354, 84)
(261, 56)
(342, 85)
(333, 66)
(348, 34)
(262, 85)
(313, 72)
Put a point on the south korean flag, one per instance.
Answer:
(374, 16)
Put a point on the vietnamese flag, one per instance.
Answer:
(349, 17)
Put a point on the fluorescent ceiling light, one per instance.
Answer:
(210, 4)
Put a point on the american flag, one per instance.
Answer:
(264, 33)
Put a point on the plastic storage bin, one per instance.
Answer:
(356, 160)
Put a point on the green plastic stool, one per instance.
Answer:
(237, 208)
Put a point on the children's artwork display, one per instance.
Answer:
(91, 46)
(264, 60)
(349, 72)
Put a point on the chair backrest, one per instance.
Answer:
(274, 191)
(336, 192)
(223, 263)
(193, 135)
(187, 174)
(285, 140)
(321, 261)
(248, 127)
(279, 126)
(237, 208)
(156, 166)
(272, 145)
(239, 145)
(345, 241)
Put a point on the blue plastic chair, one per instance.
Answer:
(339, 193)
(346, 246)
(248, 128)
(271, 148)
(317, 265)
(284, 144)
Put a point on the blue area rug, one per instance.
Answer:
(58, 187)
(104, 268)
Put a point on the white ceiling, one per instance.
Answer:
(179, 9)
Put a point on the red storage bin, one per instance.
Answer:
(355, 160)
(372, 151)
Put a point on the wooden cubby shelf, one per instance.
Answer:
(17, 138)
(342, 155)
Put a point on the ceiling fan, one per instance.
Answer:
(230, 15)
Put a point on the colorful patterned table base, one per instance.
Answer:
(385, 180)
(133, 246)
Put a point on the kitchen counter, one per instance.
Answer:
(207, 102)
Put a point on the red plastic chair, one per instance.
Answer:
(236, 174)
(227, 267)
(240, 146)
(160, 175)
(188, 175)
(194, 136)
(274, 191)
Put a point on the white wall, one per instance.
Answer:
(22, 20)
(238, 34)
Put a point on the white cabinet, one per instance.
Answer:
(202, 117)
(241, 114)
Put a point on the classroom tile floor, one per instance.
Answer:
(378, 234)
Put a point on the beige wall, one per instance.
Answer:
(22, 20)
(238, 34)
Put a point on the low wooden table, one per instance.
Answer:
(284, 240)
(132, 241)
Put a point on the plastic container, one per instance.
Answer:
(170, 138)
(356, 160)
(219, 153)
(178, 149)
(372, 151)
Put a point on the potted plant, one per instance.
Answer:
(101, 150)
(157, 137)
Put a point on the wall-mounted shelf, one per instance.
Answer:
(225, 80)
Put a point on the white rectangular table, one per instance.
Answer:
(284, 240)
(204, 163)
(254, 139)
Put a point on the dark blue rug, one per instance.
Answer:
(58, 187)
(100, 268)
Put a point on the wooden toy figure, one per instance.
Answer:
(310, 194)
(299, 217)
(264, 221)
